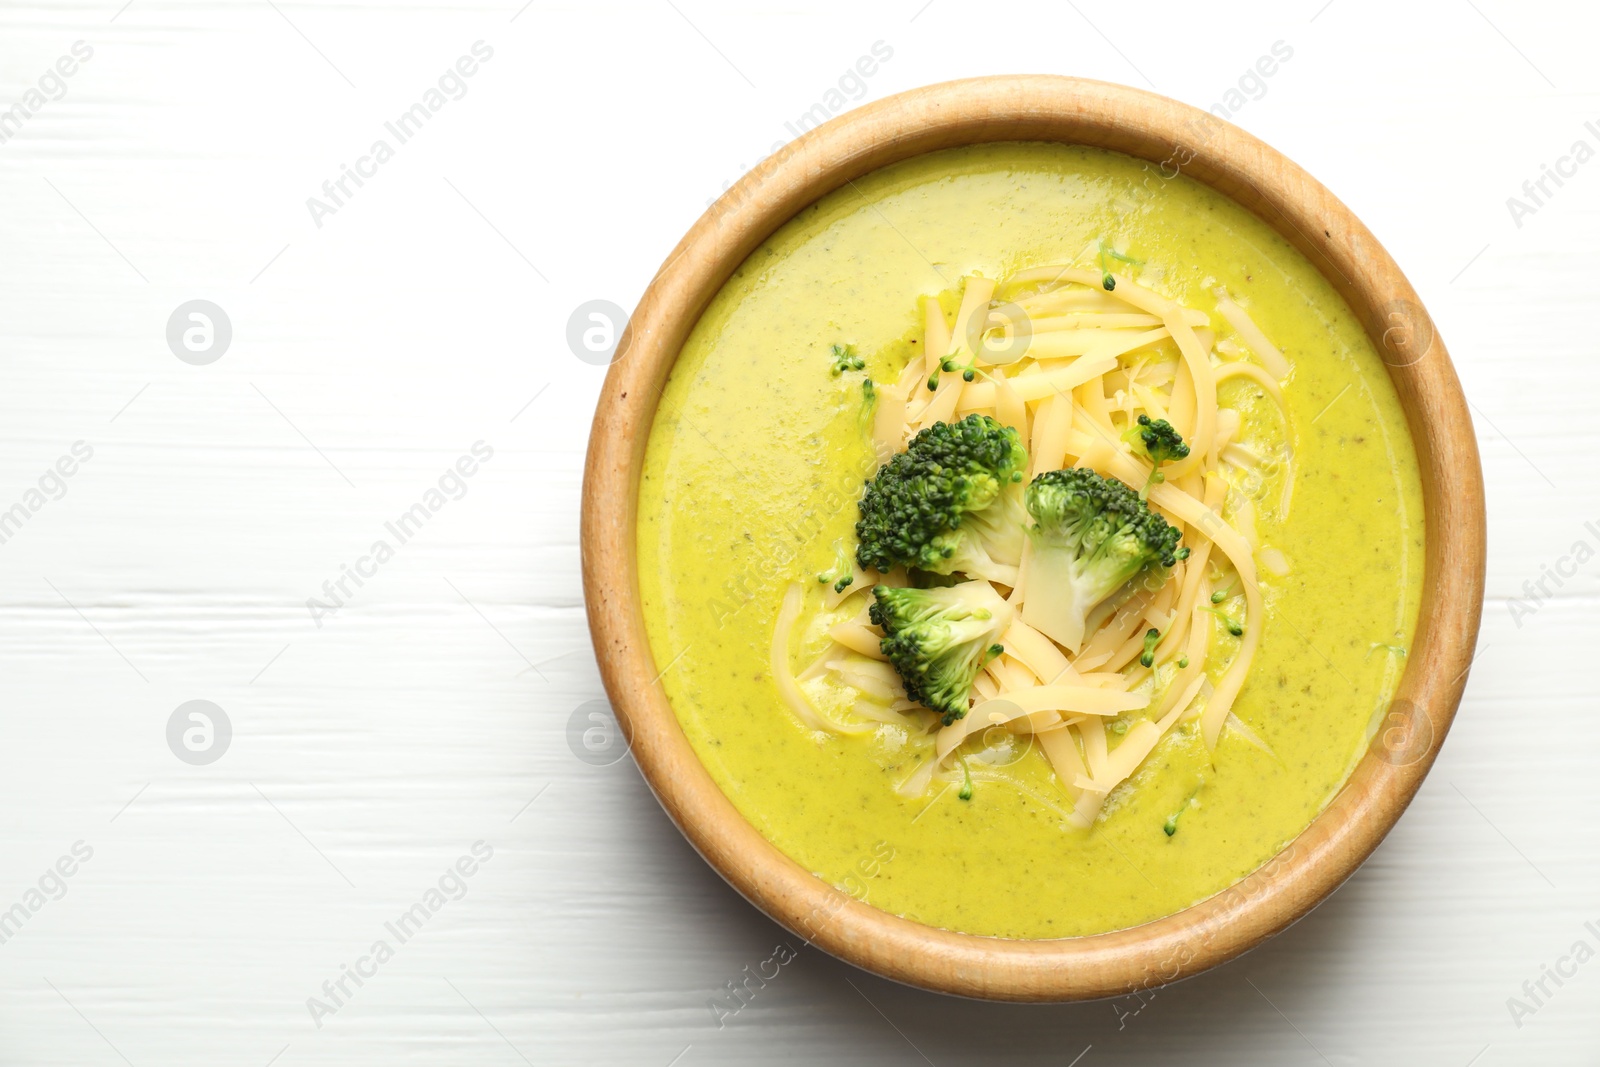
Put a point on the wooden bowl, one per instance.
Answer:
(1176, 138)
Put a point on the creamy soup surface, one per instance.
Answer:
(757, 458)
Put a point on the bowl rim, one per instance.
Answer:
(1175, 138)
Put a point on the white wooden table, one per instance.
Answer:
(375, 340)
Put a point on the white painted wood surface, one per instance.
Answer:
(431, 712)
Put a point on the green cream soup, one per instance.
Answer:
(757, 458)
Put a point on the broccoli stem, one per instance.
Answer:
(965, 792)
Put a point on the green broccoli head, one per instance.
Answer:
(952, 501)
(1091, 536)
(1161, 443)
(938, 639)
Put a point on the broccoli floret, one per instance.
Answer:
(1170, 827)
(1152, 637)
(1091, 536)
(841, 574)
(1235, 627)
(952, 501)
(845, 358)
(869, 405)
(1161, 443)
(969, 369)
(1106, 279)
(938, 639)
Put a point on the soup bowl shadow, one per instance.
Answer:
(1174, 139)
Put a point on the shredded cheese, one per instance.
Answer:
(783, 671)
(1080, 365)
(1253, 338)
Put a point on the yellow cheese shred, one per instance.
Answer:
(1093, 359)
